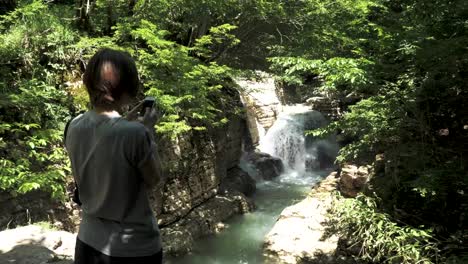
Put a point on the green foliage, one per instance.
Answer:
(376, 237)
(40, 57)
(336, 74)
(33, 59)
(184, 86)
(46, 226)
(218, 40)
(406, 62)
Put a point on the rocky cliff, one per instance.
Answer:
(261, 104)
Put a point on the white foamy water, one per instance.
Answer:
(287, 140)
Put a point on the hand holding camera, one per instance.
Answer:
(145, 112)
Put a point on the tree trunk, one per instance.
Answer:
(110, 19)
(83, 11)
(7, 6)
(131, 7)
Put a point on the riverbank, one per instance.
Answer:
(299, 235)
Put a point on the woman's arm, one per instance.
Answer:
(151, 169)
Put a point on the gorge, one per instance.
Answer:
(306, 161)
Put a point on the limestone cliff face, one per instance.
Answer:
(261, 103)
(198, 162)
(328, 107)
(17, 210)
(191, 176)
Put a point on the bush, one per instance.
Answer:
(377, 237)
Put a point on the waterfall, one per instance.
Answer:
(302, 155)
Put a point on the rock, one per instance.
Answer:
(197, 162)
(238, 180)
(270, 167)
(267, 167)
(179, 238)
(36, 245)
(379, 163)
(36, 206)
(232, 138)
(298, 235)
(261, 102)
(329, 107)
(353, 179)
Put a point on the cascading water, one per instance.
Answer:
(303, 157)
(301, 154)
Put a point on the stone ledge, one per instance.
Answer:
(297, 236)
(34, 244)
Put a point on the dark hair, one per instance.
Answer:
(110, 74)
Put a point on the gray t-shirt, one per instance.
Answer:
(106, 155)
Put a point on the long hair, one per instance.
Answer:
(110, 74)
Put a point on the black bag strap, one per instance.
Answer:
(76, 194)
(65, 131)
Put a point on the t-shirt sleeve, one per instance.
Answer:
(141, 147)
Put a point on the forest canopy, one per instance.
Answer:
(405, 60)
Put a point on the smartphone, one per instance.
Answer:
(148, 102)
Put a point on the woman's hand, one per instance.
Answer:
(132, 115)
(149, 119)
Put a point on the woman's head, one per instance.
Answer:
(110, 77)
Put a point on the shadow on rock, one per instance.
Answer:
(32, 254)
(36, 245)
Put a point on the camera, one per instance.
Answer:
(148, 102)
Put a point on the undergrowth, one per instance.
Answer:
(374, 237)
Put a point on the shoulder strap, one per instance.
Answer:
(67, 125)
(65, 131)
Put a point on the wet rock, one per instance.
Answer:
(267, 167)
(238, 180)
(298, 235)
(36, 245)
(179, 238)
(353, 179)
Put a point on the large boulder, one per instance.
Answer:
(353, 179)
(261, 103)
(238, 180)
(327, 106)
(36, 245)
(267, 166)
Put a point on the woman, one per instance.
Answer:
(113, 159)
